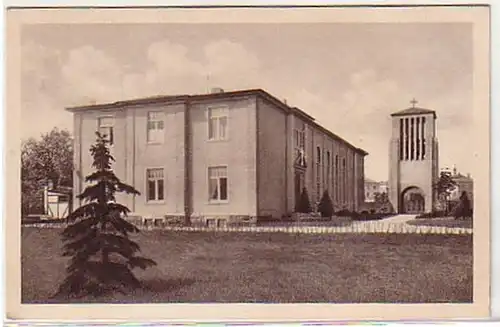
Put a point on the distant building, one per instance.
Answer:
(57, 201)
(224, 156)
(463, 183)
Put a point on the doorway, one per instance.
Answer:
(413, 201)
(299, 185)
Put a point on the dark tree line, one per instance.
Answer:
(49, 158)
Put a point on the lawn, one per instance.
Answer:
(274, 267)
(442, 222)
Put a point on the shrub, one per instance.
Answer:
(303, 205)
(433, 214)
(371, 216)
(463, 208)
(325, 206)
(346, 213)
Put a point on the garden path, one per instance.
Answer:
(398, 219)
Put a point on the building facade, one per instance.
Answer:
(463, 183)
(231, 156)
(413, 160)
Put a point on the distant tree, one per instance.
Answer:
(463, 209)
(48, 158)
(97, 240)
(382, 203)
(303, 205)
(443, 187)
(381, 198)
(325, 206)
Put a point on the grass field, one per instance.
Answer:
(245, 267)
(442, 222)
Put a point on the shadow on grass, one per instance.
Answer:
(317, 222)
(166, 285)
(442, 222)
(132, 295)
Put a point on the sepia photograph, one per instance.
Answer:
(326, 156)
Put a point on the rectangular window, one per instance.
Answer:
(417, 132)
(401, 138)
(218, 124)
(156, 127)
(337, 184)
(328, 169)
(344, 181)
(300, 136)
(156, 185)
(423, 138)
(412, 138)
(217, 184)
(407, 138)
(105, 128)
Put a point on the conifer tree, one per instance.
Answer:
(325, 206)
(303, 205)
(97, 237)
(463, 208)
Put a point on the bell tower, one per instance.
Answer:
(413, 160)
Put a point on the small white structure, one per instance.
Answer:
(57, 202)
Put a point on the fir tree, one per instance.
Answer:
(325, 206)
(303, 205)
(463, 208)
(97, 238)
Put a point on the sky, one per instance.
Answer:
(349, 76)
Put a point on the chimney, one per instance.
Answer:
(215, 90)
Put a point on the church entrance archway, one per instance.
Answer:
(413, 200)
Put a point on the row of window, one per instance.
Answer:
(217, 184)
(339, 175)
(339, 186)
(412, 140)
(217, 126)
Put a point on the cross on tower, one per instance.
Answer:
(413, 102)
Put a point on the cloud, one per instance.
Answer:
(90, 75)
(87, 75)
(358, 110)
(229, 63)
(170, 69)
(360, 114)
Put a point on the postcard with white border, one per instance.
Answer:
(248, 164)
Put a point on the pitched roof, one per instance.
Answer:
(414, 111)
(225, 94)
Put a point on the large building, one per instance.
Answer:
(413, 160)
(230, 156)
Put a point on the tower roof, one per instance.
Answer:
(414, 111)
